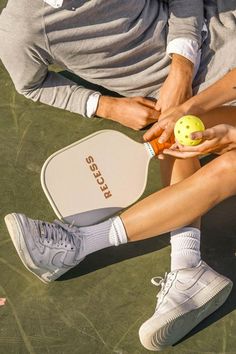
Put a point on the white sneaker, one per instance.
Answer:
(48, 250)
(187, 296)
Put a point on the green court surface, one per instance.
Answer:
(97, 307)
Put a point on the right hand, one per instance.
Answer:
(132, 112)
(164, 128)
(218, 139)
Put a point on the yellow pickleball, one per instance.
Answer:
(185, 126)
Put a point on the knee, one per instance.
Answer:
(226, 164)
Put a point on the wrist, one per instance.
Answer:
(191, 106)
(104, 106)
(185, 47)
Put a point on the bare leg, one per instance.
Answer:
(171, 208)
(180, 204)
(176, 170)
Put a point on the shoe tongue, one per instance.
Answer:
(66, 227)
(56, 232)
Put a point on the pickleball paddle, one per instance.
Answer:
(96, 177)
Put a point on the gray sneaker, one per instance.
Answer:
(46, 249)
(187, 296)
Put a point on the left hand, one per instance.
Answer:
(218, 139)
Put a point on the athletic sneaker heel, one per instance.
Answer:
(182, 304)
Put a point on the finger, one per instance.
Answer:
(166, 133)
(161, 156)
(179, 154)
(180, 146)
(200, 148)
(207, 134)
(153, 132)
(154, 114)
(174, 147)
(148, 102)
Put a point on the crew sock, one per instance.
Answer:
(185, 248)
(105, 234)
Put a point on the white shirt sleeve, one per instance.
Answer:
(92, 104)
(186, 47)
(54, 3)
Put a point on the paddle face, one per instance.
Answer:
(96, 177)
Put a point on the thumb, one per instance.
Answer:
(152, 132)
(207, 134)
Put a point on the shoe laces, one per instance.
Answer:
(56, 233)
(165, 284)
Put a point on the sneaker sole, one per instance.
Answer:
(157, 333)
(15, 230)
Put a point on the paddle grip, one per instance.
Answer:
(159, 147)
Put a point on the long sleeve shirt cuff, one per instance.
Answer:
(92, 104)
(186, 47)
(54, 3)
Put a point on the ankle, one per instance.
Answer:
(185, 248)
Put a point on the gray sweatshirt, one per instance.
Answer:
(118, 44)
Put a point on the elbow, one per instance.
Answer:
(29, 92)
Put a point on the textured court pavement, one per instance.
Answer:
(98, 307)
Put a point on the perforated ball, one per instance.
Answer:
(185, 126)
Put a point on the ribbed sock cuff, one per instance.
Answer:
(117, 234)
(185, 248)
(105, 234)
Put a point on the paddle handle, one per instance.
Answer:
(159, 147)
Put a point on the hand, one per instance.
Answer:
(165, 126)
(177, 88)
(134, 112)
(218, 139)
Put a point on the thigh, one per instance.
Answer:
(175, 170)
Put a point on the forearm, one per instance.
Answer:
(177, 88)
(185, 30)
(182, 66)
(59, 92)
(27, 64)
(223, 91)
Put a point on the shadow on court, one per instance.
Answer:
(218, 250)
(115, 255)
(97, 307)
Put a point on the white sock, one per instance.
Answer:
(105, 234)
(185, 248)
